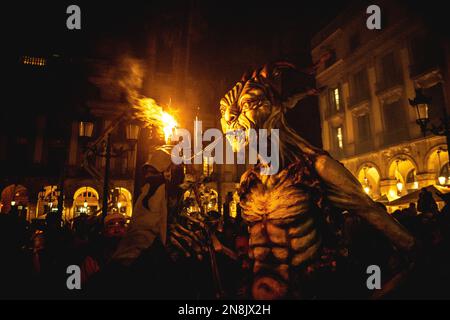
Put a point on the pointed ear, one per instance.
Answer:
(265, 71)
(245, 76)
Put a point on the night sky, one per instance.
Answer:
(231, 36)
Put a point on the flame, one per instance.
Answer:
(169, 125)
(147, 110)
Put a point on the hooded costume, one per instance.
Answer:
(149, 219)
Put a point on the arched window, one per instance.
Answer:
(411, 180)
(444, 175)
(14, 195)
(47, 200)
(122, 201)
(369, 177)
(85, 201)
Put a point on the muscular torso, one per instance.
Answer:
(283, 232)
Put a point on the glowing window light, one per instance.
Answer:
(336, 99)
(340, 137)
(34, 61)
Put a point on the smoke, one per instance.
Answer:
(130, 79)
(131, 76)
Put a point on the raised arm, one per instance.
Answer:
(344, 191)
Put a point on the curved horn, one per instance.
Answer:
(292, 101)
(245, 76)
(273, 70)
(265, 71)
(311, 70)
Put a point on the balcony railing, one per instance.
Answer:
(122, 174)
(331, 111)
(364, 146)
(395, 136)
(416, 70)
(358, 98)
(389, 83)
(337, 153)
(115, 173)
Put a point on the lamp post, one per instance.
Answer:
(13, 201)
(48, 199)
(86, 129)
(441, 178)
(421, 103)
(366, 186)
(399, 183)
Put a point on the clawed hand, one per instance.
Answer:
(189, 243)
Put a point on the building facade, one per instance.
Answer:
(367, 121)
(40, 145)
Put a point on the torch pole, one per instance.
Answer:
(212, 253)
(106, 176)
(61, 195)
(446, 128)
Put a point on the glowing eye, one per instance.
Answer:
(246, 106)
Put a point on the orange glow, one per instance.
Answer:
(169, 125)
(34, 61)
(150, 112)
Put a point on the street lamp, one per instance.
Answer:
(441, 178)
(49, 200)
(399, 182)
(366, 182)
(86, 129)
(415, 183)
(132, 133)
(399, 186)
(422, 103)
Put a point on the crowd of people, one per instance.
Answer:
(36, 257)
(429, 277)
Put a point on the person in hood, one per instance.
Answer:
(140, 267)
(149, 220)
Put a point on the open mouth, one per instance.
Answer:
(237, 141)
(237, 137)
